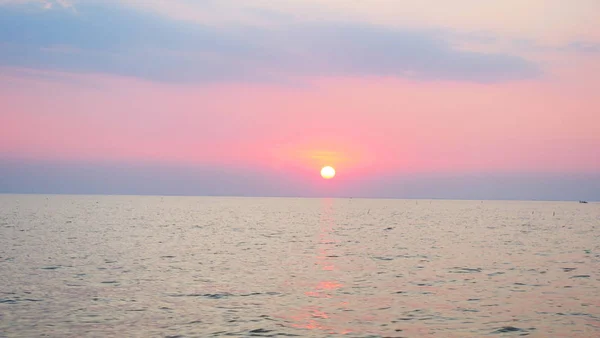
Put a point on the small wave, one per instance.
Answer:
(225, 295)
(383, 258)
(205, 295)
(506, 329)
(7, 301)
(465, 270)
(17, 300)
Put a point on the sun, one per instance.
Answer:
(327, 172)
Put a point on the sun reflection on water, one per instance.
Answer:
(325, 288)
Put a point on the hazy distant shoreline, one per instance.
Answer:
(298, 197)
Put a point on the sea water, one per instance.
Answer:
(132, 266)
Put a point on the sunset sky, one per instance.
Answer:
(409, 99)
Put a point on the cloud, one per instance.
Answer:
(119, 40)
(45, 4)
(153, 179)
(585, 47)
(576, 46)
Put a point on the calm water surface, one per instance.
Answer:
(101, 266)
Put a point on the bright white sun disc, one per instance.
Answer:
(327, 172)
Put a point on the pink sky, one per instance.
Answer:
(361, 124)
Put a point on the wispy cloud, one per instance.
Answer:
(156, 179)
(580, 46)
(119, 40)
(45, 4)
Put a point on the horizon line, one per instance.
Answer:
(301, 197)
